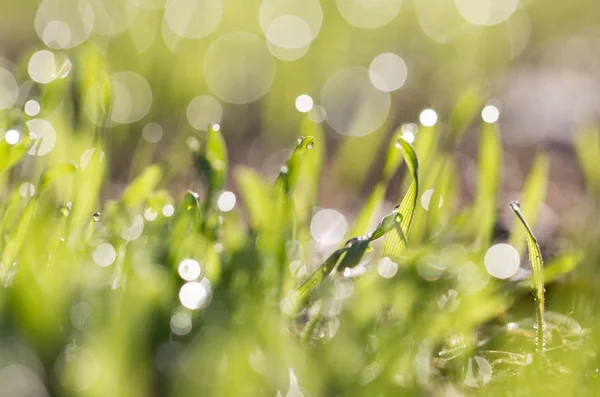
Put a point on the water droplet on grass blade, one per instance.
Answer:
(96, 216)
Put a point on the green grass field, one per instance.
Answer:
(142, 255)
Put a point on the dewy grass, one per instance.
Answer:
(170, 292)
(537, 269)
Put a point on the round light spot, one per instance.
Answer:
(45, 136)
(27, 190)
(408, 137)
(86, 156)
(309, 13)
(369, 14)
(328, 227)
(472, 278)
(426, 199)
(387, 268)
(149, 4)
(168, 210)
(388, 72)
(64, 23)
(238, 68)
(304, 103)
(203, 111)
(42, 67)
(132, 97)
(486, 12)
(152, 132)
(287, 54)
(12, 137)
(32, 108)
(490, 114)
(134, 231)
(289, 31)
(428, 117)
(104, 255)
(150, 215)
(193, 19)
(479, 372)
(430, 268)
(226, 201)
(181, 323)
(113, 17)
(189, 270)
(354, 106)
(317, 114)
(9, 89)
(502, 261)
(193, 295)
(440, 20)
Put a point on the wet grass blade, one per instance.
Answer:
(537, 269)
(395, 242)
(288, 177)
(393, 159)
(532, 198)
(347, 256)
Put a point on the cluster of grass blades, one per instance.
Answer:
(150, 295)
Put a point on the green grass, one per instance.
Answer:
(91, 302)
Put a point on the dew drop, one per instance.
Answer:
(96, 216)
(300, 139)
(515, 205)
(310, 145)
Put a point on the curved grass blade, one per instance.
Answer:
(395, 242)
(53, 173)
(532, 198)
(288, 177)
(393, 159)
(347, 256)
(537, 269)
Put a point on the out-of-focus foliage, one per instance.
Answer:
(168, 171)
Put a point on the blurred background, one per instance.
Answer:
(368, 67)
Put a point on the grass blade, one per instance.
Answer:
(532, 198)
(393, 159)
(212, 161)
(537, 269)
(347, 256)
(489, 166)
(395, 242)
(11, 154)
